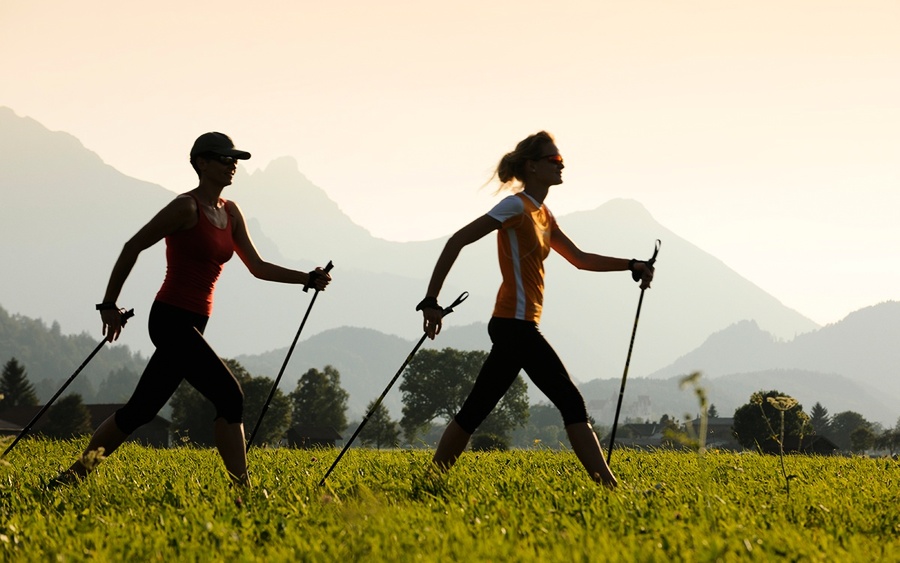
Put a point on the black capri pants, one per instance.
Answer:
(520, 345)
(181, 353)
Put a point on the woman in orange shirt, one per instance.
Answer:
(527, 233)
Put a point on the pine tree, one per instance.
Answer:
(68, 418)
(820, 420)
(380, 430)
(15, 388)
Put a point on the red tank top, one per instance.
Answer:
(194, 260)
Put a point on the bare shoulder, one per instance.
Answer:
(238, 226)
(183, 206)
(234, 210)
(232, 207)
(180, 213)
(184, 199)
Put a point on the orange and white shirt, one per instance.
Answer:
(523, 242)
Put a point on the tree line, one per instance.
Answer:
(435, 384)
(758, 424)
(50, 355)
(434, 387)
(772, 421)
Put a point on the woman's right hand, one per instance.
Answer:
(112, 323)
(432, 320)
(432, 315)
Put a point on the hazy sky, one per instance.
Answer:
(766, 132)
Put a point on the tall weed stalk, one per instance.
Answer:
(782, 404)
(696, 439)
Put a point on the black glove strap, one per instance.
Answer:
(311, 280)
(106, 306)
(429, 303)
(314, 275)
(634, 274)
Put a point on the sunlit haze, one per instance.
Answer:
(767, 133)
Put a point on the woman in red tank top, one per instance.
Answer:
(201, 231)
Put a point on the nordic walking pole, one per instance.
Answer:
(265, 408)
(462, 297)
(612, 436)
(125, 316)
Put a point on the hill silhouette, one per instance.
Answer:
(50, 357)
(367, 359)
(851, 364)
(735, 363)
(649, 399)
(863, 346)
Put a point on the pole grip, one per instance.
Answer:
(313, 274)
(462, 297)
(652, 259)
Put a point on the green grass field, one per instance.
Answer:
(539, 505)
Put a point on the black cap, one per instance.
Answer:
(217, 143)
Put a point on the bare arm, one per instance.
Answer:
(472, 232)
(177, 215)
(596, 262)
(260, 268)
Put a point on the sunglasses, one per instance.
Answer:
(553, 159)
(222, 159)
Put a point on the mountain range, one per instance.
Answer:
(65, 215)
(845, 366)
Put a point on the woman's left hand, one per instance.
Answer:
(645, 271)
(113, 322)
(320, 279)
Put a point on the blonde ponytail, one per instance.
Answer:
(511, 168)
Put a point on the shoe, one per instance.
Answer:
(65, 479)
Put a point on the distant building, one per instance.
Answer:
(639, 407)
(9, 428)
(155, 433)
(642, 407)
(719, 434)
(638, 435)
(651, 435)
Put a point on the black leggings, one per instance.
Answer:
(181, 353)
(520, 345)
